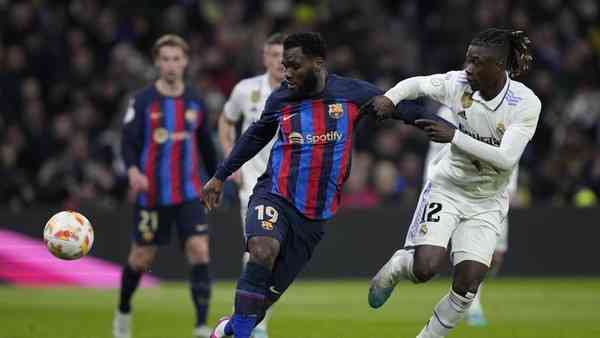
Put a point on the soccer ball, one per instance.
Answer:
(68, 235)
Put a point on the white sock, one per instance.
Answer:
(446, 314)
(404, 264)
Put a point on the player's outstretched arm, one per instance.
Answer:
(382, 108)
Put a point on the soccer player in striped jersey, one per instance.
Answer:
(313, 115)
(246, 103)
(165, 140)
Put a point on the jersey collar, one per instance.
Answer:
(494, 103)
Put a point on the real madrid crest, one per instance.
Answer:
(160, 135)
(191, 115)
(500, 129)
(467, 100)
(255, 96)
(336, 110)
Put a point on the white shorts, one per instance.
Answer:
(471, 227)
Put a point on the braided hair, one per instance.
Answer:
(513, 45)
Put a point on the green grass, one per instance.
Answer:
(519, 308)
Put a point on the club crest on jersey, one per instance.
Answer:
(467, 100)
(423, 229)
(191, 115)
(500, 129)
(336, 110)
(160, 135)
(266, 225)
(255, 96)
(296, 138)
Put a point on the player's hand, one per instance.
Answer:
(212, 191)
(137, 181)
(380, 107)
(437, 131)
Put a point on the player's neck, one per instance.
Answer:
(175, 88)
(321, 82)
(493, 90)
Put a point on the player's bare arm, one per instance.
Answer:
(226, 134)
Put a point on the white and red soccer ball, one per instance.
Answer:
(68, 235)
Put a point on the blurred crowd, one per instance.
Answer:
(66, 68)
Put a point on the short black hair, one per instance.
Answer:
(312, 43)
(512, 45)
(275, 39)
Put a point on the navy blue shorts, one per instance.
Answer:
(272, 216)
(153, 226)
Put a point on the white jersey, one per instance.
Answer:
(247, 100)
(435, 153)
(492, 135)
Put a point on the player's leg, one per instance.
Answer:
(473, 245)
(475, 315)
(193, 233)
(147, 234)
(424, 253)
(266, 227)
(260, 331)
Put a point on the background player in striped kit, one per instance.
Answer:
(313, 114)
(165, 138)
(246, 103)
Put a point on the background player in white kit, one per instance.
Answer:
(474, 315)
(247, 102)
(466, 201)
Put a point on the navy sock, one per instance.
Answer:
(200, 289)
(250, 299)
(130, 279)
(229, 328)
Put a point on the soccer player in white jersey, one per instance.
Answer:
(247, 102)
(466, 200)
(474, 315)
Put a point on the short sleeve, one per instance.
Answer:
(234, 106)
(443, 87)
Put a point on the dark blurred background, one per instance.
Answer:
(67, 67)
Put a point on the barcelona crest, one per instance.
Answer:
(336, 110)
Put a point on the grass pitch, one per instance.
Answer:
(516, 308)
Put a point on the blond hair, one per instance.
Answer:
(171, 40)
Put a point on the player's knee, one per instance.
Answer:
(468, 276)
(197, 250)
(141, 258)
(428, 262)
(263, 250)
(424, 270)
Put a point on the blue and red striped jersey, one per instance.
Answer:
(311, 157)
(168, 139)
